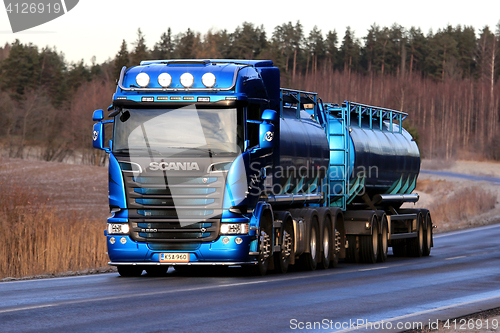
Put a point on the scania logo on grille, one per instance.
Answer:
(167, 166)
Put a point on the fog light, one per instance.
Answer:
(225, 240)
(367, 225)
(112, 240)
(123, 240)
(238, 240)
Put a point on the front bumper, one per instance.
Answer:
(126, 251)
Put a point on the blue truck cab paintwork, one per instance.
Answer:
(236, 81)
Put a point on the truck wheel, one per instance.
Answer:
(327, 245)
(416, 245)
(264, 246)
(287, 250)
(335, 247)
(368, 244)
(383, 243)
(353, 249)
(311, 259)
(427, 235)
(130, 271)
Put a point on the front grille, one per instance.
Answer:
(174, 209)
(174, 246)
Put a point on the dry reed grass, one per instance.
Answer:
(36, 239)
(456, 205)
(464, 204)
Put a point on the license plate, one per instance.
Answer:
(174, 257)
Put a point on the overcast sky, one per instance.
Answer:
(96, 28)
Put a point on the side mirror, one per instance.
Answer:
(270, 115)
(98, 115)
(98, 136)
(266, 135)
(266, 128)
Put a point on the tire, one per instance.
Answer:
(310, 260)
(282, 258)
(130, 271)
(416, 245)
(353, 249)
(427, 235)
(327, 244)
(383, 243)
(368, 244)
(157, 270)
(265, 244)
(336, 243)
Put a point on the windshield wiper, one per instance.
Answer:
(146, 151)
(206, 150)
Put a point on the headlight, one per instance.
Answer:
(118, 228)
(233, 229)
(142, 80)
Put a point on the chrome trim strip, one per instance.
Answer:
(197, 263)
(295, 197)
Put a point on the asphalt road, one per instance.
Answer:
(493, 180)
(461, 276)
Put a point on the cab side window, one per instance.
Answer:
(254, 112)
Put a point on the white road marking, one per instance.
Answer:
(372, 269)
(399, 318)
(453, 258)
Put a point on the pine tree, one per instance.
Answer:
(122, 59)
(140, 51)
(316, 48)
(466, 44)
(418, 50)
(164, 49)
(52, 75)
(248, 41)
(185, 45)
(20, 71)
(350, 51)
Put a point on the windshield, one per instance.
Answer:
(192, 130)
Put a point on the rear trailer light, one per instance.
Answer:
(118, 229)
(234, 229)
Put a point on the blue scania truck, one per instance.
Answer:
(212, 163)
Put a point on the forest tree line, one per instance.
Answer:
(446, 81)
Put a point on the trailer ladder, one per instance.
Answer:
(338, 140)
